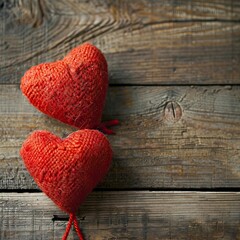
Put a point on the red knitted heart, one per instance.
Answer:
(72, 90)
(68, 169)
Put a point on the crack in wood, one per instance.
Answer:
(173, 111)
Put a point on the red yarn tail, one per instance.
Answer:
(104, 126)
(77, 228)
(72, 220)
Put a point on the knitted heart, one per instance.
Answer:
(68, 169)
(72, 90)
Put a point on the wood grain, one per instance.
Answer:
(152, 147)
(145, 42)
(125, 215)
(185, 135)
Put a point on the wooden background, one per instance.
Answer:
(174, 85)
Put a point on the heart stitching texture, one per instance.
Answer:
(68, 169)
(72, 90)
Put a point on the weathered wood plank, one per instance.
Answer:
(145, 42)
(152, 149)
(125, 215)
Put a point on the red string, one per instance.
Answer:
(68, 227)
(104, 126)
(73, 219)
(78, 230)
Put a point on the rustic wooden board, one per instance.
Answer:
(178, 136)
(152, 148)
(125, 215)
(145, 42)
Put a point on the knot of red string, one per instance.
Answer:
(104, 126)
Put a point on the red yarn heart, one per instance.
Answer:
(72, 90)
(68, 169)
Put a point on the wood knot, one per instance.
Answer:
(172, 112)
